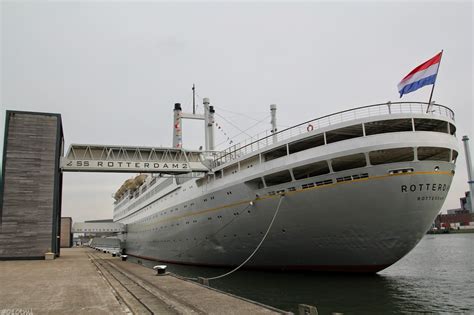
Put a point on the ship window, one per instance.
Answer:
(218, 174)
(431, 125)
(455, 156)
(232, 169)
(348, 162)
(310, 170)
(307, 143)
(391, 156)
(434, 154)
(255, 183)
(345, 133)
(275, 153)
(386, 126)
(452, 129)
(278, 178)
(250, 162)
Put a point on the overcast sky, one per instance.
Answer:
(114, 70)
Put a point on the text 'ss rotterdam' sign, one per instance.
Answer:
(129, 166)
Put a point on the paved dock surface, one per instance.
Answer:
(69, 284)
(84, 281)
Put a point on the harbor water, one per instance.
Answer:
(436, 277)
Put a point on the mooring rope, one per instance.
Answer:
(253, 253)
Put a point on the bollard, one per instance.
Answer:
(124, 257)
(305, 309)
(203, 281)
(160, 270)
(114, 254)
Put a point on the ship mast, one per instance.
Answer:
(194, 99)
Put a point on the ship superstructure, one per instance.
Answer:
(360, 188)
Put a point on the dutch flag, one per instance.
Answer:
(424, 74)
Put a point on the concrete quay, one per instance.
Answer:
(83, 281)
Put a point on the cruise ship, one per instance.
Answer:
(353, 191)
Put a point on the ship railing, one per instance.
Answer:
(266, 138)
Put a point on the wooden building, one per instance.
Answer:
(66, 232)
(30, 189)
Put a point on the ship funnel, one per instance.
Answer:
(273, 109)
(211, 127)
(177, 131)
(209, 124)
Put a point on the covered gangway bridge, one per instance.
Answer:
(131, 159)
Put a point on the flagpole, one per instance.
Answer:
(434, 83)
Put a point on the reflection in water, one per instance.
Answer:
(436, 277)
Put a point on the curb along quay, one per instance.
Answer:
(84, 281)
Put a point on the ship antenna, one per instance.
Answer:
(194, 100)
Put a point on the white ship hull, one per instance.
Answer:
(363, 225)
(363, 220)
